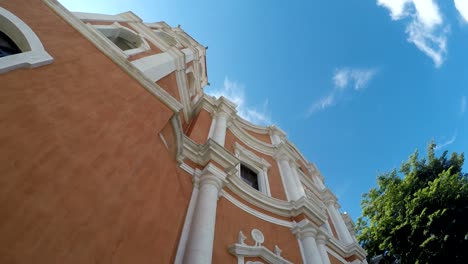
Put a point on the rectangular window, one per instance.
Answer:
(249, 176)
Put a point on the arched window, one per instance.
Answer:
(7, 46)
(19, 45)
(125, 39)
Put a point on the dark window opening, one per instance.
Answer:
(7, 46)
(123, 43)
(249, 176)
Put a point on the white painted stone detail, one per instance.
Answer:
(242, 251)
(33, 53)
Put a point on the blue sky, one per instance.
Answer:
(357, 85)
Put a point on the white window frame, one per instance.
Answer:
(117, 28)
(33, 53)
(255, 163)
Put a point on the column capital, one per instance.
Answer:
(321, 239)
(304, 229)
(213, 175)
(283, 153)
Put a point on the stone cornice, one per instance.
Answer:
(210, 151)
(244, 152)
(276, 206)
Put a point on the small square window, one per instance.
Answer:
(249, 176)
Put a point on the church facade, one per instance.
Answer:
(112, 153)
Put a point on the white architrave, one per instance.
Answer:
(241, 250)
(33, 53)
(306, 232)
(199, 248)
(259, 165)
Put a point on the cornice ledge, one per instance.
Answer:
(346, 250)
(210, 151)
(273, 205)
(260, 162)
(312, 211)
(251, 141)
(259, 199)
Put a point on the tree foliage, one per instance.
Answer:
(419, 215)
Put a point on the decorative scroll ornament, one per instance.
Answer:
(242, 250)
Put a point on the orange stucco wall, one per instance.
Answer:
(274, 177)
(169, 83)
(230, 220)
(199, 127)
(262, 137)
(334, 260)
(85, 177)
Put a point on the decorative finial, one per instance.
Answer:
(278, 251)
(241, 238)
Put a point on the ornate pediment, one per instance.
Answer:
(257, 250)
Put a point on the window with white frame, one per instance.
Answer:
(19, 45)
(253, 170)
(249, 176)
(124, 38)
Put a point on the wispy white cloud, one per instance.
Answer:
(426, 28)
(462, 7)
(358, 78)
(343, 79)
(463, 105)
(447, 142)
(234, 91)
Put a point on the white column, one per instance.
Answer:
(340, 226)
(297, 180)
(200, 241)
(264, 174)
(321, 241)
(188, 221)
(288, 180)
(219, 130)
(306, 233)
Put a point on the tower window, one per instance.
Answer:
(7, 46)
(249, 176)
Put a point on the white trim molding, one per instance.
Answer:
(241, 250)
(33, 53)
(116, 30)
(258, 164)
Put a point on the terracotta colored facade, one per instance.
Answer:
(112, 153)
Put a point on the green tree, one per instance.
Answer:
(419, 215)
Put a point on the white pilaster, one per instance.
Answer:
(199, 248)
(297, 180)
(288, 178)
(306, 233)
(321, 241)
(220, 125)
(340, 226)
